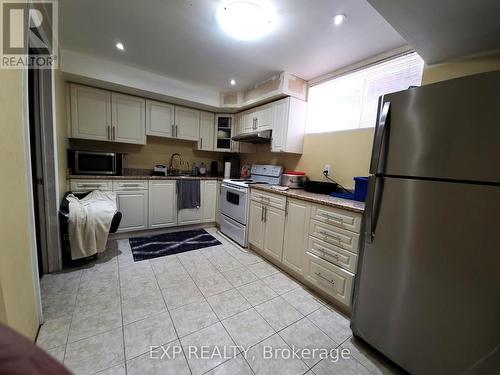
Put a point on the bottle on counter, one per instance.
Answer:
(195, 170)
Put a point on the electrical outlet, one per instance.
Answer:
(328, 169)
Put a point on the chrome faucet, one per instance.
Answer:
(179, 162)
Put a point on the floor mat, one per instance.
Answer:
(170, 243)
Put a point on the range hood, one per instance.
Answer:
(254, 137)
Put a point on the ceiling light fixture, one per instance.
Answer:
(232, 82)
(338, 19)
(120, 46)
(246, 19)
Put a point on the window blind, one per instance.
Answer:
(350, 101)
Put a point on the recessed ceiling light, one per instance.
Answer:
(120, 46)
(338, 19)
(232, 82)
(246, 19)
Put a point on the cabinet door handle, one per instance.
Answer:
(113, 131)
(172, 130)
(109, 132)
(286, 208)
(324, 278)
(262, 214)
(176, 131)
(265, 214)
(201, 143)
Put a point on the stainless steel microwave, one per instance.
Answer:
(95, 163)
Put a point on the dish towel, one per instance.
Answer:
(188, 194)
(89, 222)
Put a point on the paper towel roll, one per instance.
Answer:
(227, 169)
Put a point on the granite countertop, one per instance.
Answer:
(327, 200)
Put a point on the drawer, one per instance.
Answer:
(123, 185)
(331, 279)
(273, 200)
(342, 238)
(337, 217)
(88, 185)
(333, 254)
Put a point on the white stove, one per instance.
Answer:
(235, 200)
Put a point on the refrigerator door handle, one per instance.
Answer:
(372, 207)
(383, 124)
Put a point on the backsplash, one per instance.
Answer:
(156, 151)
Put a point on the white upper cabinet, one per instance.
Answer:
(128, 118)
(289, 125)
(90, 113)
(264, 117)
(187, 123)
(159, 118)
(207, 131)
(106, 116)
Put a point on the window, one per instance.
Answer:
(351, 101)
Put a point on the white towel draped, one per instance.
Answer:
(89, 222)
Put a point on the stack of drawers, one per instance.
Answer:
(332, 252)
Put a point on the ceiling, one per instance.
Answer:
(181, 39)
(441, 30)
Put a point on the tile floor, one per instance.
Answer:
(103, 318)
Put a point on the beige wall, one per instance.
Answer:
(348, 152)
(441, 72)
(17, 293)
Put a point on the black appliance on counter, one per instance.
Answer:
(214, 169)
(95, 163)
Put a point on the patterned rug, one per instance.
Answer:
(170, 243)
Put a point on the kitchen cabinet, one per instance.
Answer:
(274, 223)
(223, 132)
(89, 112)
(128, 116)
(162, 203)
(296, 234)
(209, 203)
(133, 204)
(256, 225)
(160, 119)
(258, 119)
(218, 199)
(241, 147)
(207, 131)
(106, 116)
(267, 225)
(289, 125)
(187, 124)
(85, 185)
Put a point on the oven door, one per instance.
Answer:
(234, 203)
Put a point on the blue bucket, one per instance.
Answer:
(360, 188)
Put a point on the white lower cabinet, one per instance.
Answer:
(133, 205)
(329, 278)
(256, 223)
(274, 220)
(267, 225)
(209, 201)
(296, 233)
(308, 240)
(162, 204)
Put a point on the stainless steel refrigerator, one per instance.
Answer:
(427, 291)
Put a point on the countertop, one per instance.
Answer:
(139, 177)
(327, 200)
